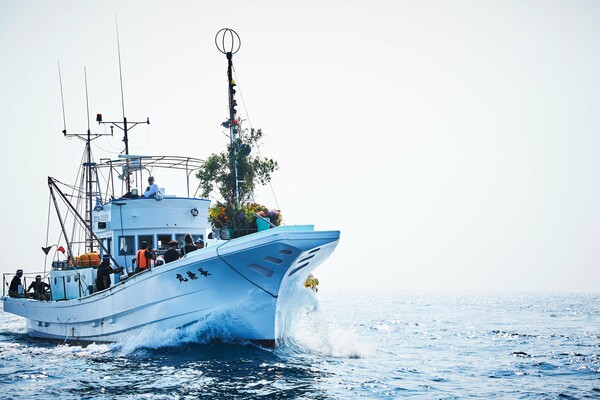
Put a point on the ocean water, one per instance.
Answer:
(341, 346)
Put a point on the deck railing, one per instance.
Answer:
(27, 278)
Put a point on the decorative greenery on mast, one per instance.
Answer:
(235, 173)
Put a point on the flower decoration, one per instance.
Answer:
(222, 216)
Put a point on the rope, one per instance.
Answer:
(47, 231)
(240, 274)
(115, 150)
(242, 96)
(258, 145)
(66, 337)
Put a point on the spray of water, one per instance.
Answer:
(304, 327)
(212, 328)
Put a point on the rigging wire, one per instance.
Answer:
(242, 97)
(115, 150)
(76, 193)
(258, 145)
(146, 140)
(106, 151)
(47, 231)
(239, 273)
(62, 99)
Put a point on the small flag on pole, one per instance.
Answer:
(61, 249)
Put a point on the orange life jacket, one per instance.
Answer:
(141, 260)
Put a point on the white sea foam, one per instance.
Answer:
(312, 331)
(308, 328)
(211, 328)
(12, 324)
(498, 349)
(16, 350)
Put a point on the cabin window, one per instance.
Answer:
(126, 245)
(163, 242)
(106, 246)
(179, 237)
(181, 241)
(101, 225)
(146, 238)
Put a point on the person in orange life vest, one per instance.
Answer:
(143, 257)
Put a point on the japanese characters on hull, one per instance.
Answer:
(192, 275)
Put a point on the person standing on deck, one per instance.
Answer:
(104, 271)
(189, 245)
(144, 257)
(172, 254)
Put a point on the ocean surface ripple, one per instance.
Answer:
(340, 345)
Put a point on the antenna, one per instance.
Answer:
(124, 126)
(120, 70)
(89, 167)
(87, 102)
(62, 100)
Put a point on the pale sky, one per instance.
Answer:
(455, 144)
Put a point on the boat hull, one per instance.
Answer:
(236, 285)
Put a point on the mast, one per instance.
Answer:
(123, 125)
(228, 42)
(89, 167)
(89, 170)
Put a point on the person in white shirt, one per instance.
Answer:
(152, 189)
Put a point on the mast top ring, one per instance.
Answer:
(228, 41)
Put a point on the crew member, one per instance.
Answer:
(172, 254)
(152, 189)
(13, 290)
(39, 289)
(189, 245)
(104, 271)
(144, 257)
